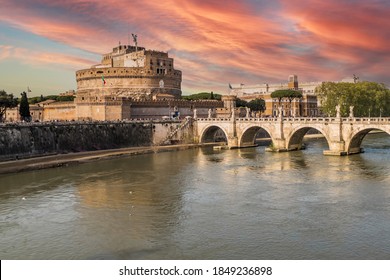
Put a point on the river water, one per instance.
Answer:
(204, 204)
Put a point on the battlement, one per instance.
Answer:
(121, 72)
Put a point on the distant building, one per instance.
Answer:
(308, 106)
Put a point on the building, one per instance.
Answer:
(131, 71)
(306, 106)
(130, 82)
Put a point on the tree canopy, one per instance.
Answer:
(368, 98)
(202, 95)
(6, 101)
(257, 105)
(37, 99)
(289, 94)
(241, 103)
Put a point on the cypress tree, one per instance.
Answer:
(24, 109)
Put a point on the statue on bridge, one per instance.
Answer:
(351, 112)
(280, 109)
(209, 116)
(248, 111)
(195, 116)
(338, 114)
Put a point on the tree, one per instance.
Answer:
(257, 105)
(241, 103)
(24, 109)
(286, 93)
(289, 94)
(203, 95)
(367, 98)
(6, 101)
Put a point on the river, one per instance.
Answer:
(204, 204)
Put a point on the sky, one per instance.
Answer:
(214, 43)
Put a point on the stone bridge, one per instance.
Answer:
(344, 135)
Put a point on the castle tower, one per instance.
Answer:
(131, 72)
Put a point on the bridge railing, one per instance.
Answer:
(380, 120)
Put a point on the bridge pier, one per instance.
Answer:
(233, 142)
(334, 153)
(278, 145)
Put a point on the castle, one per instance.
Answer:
(130, 82)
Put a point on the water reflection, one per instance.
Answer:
(203, 204)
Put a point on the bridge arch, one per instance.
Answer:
(213, 133)
(354, 145)
(248, 135)
(295, 138)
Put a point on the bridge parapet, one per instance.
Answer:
(368, 120)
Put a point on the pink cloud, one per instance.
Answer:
(31, 57)
(237, 41)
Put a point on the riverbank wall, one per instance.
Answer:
(26, 140)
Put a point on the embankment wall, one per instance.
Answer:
(24, 140)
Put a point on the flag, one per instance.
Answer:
(104, 81)
(28, 89)
(230, 86)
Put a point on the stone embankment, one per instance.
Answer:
(26, 140)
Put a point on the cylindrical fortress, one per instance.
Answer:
(135, 73)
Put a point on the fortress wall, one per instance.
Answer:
(122, 77)
(63, 111)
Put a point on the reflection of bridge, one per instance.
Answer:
(344, 135)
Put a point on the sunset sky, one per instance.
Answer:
(214, 42)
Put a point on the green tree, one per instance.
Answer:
(66, 98)
(241, 103)
(6, 101)
(367, 98)
(289, 94)
(202, 95)
(257, 105)
(24, 109)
